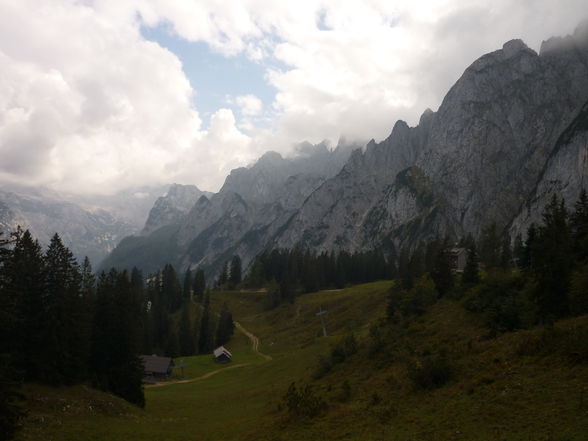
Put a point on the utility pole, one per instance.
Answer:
(321, 313)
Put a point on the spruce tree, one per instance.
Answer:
(187, 290)
(187, 345)
(199, 285)
(552, 260)
(10, 398)
(204, 337)
(471, 275)
(490, 246)
(235, 274)
(65, 351)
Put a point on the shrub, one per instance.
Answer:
(430, 372)
(303, 402)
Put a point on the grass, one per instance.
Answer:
(510, 388)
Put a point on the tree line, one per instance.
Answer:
(62, 325)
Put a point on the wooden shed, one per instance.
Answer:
(222, 355)
(157, 367)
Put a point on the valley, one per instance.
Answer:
(505, 388)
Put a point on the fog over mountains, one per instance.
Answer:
(512, 131)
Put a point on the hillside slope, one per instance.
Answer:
(523, 385)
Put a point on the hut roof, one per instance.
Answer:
(155, 364)
(220, 351)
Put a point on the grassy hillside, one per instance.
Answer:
(529, 385)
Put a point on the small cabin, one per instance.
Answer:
(222, 355)
(459, 257)
(157, 367)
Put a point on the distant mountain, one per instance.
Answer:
(89, 225)
(171, 208)
(512, 131)
(252, 205)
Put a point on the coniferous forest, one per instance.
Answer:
(62, 325)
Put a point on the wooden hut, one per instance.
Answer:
(222, 355)
(157, 367)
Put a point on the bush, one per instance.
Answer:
(579, 291)
(417, 300)
(430, 372)
(504, 301)
(303, 402)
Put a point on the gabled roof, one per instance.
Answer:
(155, 364)
(220, 351)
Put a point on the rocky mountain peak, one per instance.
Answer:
(172, 207)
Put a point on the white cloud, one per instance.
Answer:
(87, 104)
(250, 104)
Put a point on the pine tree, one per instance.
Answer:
(199, 285)
(24, 283)
(442, 271)
(10, 407)
(204, 337)
(490, 246)
(223, 277)
(235, 275)
(506, 253)
(187, 291)
(579, 226)
(65, 350)
(552, 260)
(187, 346)
(170, 288)
(471, 275)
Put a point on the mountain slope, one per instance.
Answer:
(474, 161)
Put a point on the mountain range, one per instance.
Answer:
(512, 131)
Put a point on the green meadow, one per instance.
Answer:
(525, 385)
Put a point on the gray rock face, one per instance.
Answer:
(171, 208)
(253, 204)
(474, 161)
(509, 133)
(92, 234)
(565, 174)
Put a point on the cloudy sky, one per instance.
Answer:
(100, 95)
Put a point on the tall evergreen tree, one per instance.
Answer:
(579, 227)
(552, 260)
(187, 291)
(235, 275)
(187, 345)
(442, 270)
(223, 277)
(204, 335)
(471, 275)
(170, 288)
(490, 246)
(65, 352)
(199, 285)
(10, 407)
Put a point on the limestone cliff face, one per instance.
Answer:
(171, 208)
(564, 174)
(253, 204)
(476, 160)
(509, 133)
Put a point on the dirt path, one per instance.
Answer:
(254, 345)
(254, 341)
(191, 380)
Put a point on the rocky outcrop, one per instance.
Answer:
(474, 161)
(253, 204)
(171, 208)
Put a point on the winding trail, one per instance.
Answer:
(254, 341)
(254, 346)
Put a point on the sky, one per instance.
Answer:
(97, 96)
